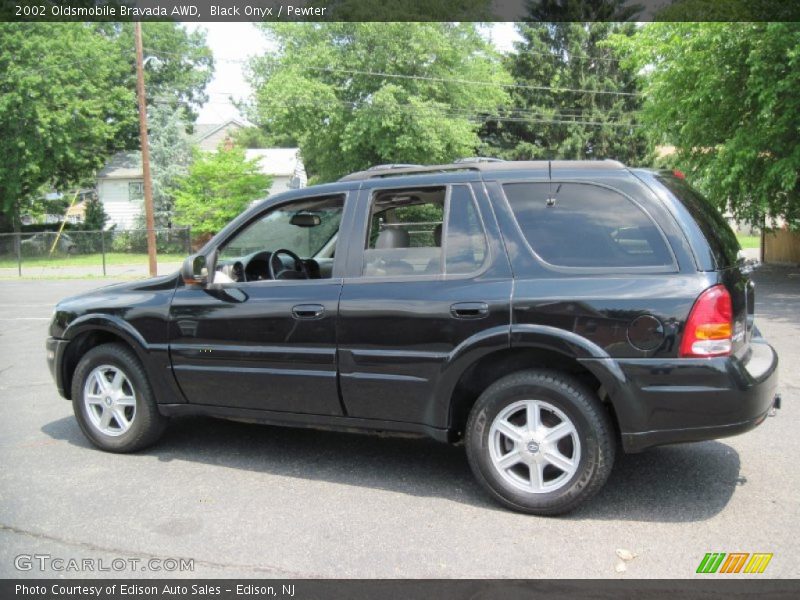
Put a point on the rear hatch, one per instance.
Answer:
(723, 255)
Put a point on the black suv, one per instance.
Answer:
(545, 313)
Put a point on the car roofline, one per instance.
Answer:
(484, 167)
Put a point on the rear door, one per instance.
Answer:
(426, 272)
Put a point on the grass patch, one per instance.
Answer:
(87, 260)
(749, 241)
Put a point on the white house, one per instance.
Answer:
(284, 165)
(120, 187)
(120, 184)
(208, 136)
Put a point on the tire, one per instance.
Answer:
(120, 415)
(513, 461)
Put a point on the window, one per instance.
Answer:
(584, 225)
(307, 227)
(135, 190)
(466, 246)
(712, 224)
(406, 233)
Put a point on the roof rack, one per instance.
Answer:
(478, 159)
(481, 165)
(393, 166)
(398, 171)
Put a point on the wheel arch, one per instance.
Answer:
(533, 346)
(91, 331)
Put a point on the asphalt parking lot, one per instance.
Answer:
(258, 501)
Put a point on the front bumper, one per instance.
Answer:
(55, 359)
(687, 400)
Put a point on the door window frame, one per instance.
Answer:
(342, 246)
(361, 230)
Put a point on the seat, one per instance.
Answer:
(392, 237)
(378, 263)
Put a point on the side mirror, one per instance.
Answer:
(195, 270)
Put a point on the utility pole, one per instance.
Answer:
(148, 184)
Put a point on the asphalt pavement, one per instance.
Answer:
(245, 500)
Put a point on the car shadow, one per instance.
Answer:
(690, 482)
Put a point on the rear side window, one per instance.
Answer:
(719, 235)
(424, 231)
(466, 241)
(585, 225)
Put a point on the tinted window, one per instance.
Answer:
(721, 239)
(304, 226)
(584, 225)
(465, 246)
(405, 235)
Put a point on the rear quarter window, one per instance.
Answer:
(586, 225)
(715, 229)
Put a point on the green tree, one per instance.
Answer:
(254, 137)
(94, 217)
(184, 65)
(218, 186)
(574, 100)
(63, 107)
(725, 95)
(170, 156)
(353, 95)
(67, 99)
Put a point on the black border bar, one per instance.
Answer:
(394, 589)
(398, 10)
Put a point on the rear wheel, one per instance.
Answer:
(540, 442)
(113, 401)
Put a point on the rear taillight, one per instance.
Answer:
(709, 328)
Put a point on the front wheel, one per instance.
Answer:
(540, 442)
(113, 401)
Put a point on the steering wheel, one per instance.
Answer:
(277, 268)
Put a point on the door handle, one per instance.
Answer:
(469, 310)
(308, 311)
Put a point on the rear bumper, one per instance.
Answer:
(687, 400)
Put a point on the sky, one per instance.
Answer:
(233, 42)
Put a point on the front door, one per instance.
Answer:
(426, 274)
(263, 335)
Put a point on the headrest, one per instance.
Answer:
(392, 237)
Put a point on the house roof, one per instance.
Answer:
(204, 130)
(277, 161)
(123, 165)
(273, 161)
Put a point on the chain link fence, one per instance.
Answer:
(90, 253)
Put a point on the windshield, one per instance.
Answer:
(305, 227)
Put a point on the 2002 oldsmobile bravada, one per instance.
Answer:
(545, 313)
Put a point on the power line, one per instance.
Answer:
(523, 86)
(471, 82)
(544, 111)
(476, 116)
